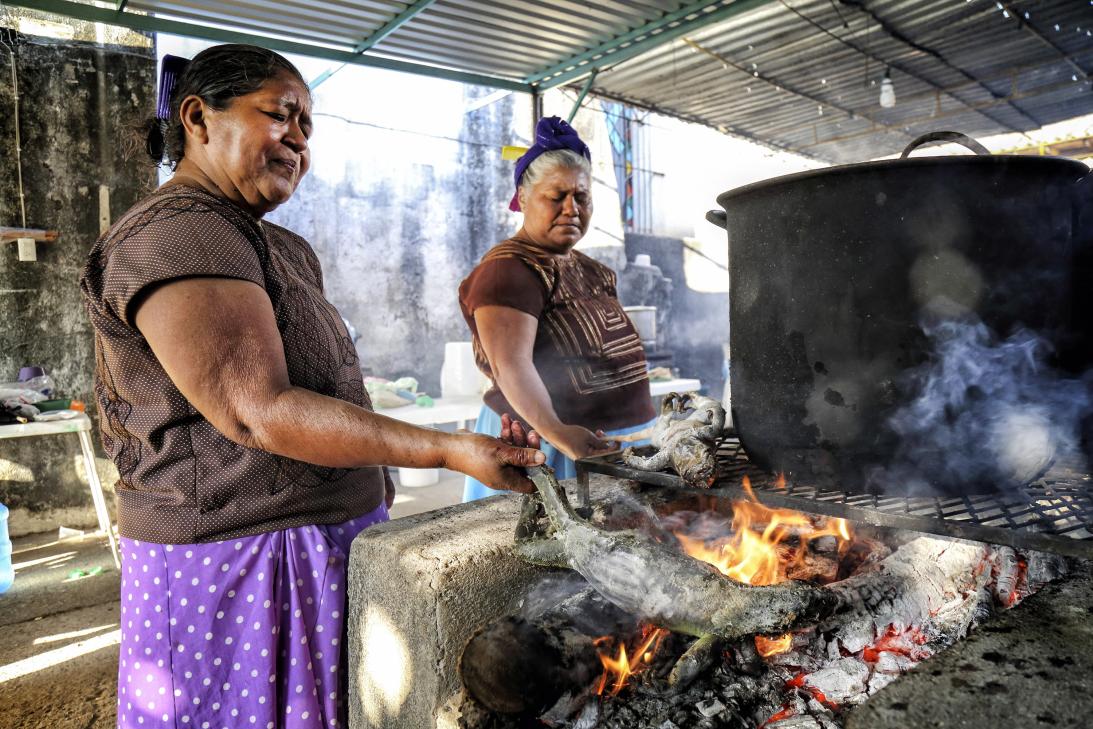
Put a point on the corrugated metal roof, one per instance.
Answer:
(805, 75)
(802, 75)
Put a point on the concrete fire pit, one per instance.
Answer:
(418, 588)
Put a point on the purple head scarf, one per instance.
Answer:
(551, 133)
(170, 71)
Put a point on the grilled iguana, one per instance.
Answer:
(655, 582)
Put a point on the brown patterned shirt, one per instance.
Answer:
(586, 350)
(182, 481)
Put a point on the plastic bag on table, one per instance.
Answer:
(42, 383)
(52, 415)
(29, 392)
(16, 413)
(394, 393)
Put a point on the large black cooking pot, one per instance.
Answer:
(839, 274)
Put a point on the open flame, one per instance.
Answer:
(618, 669)
(762, 544)
(757, 551)
(767, 647)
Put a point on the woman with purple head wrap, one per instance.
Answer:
(551, 134)
(545, 319)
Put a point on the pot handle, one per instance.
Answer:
(957, 137)
(1085, 203)
(718, 218)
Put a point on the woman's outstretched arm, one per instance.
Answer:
(217, 339)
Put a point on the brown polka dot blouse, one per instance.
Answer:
(182, 481)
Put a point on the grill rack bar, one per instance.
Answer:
(1052, 514)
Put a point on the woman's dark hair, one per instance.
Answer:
(217, 75)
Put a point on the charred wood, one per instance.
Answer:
(524, 665)
(695, 661)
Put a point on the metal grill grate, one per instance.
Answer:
(1053, 514)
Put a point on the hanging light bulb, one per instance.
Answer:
(887, 91)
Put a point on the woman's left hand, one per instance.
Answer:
(577, 442)
(494, 462)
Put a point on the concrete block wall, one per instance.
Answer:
(399, 218)
(418, 589)
(79, 105)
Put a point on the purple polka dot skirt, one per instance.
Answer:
(241, 633)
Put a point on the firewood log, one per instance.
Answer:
(920, 576)
(524, 664)
(695, 661)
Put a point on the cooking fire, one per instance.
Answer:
(875, 604)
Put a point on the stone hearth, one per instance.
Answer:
(420, 586)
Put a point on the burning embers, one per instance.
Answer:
(767, 647)
(891, 603)
(759, 546)
(764, 546)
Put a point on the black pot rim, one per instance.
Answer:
(1060, 165)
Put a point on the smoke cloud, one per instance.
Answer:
(986, 414)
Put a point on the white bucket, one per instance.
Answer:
(645, 321)
(459, 375)
(417, 477)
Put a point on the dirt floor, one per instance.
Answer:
(59, 631)
(47, 611)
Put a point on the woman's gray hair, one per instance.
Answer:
(547, 161)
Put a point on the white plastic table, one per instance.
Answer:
(81, 426)
(660, 388)
(456, 410)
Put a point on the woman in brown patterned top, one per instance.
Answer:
(545, 319)
(232, 403)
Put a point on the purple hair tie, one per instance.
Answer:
(170, 71)
(551, 133)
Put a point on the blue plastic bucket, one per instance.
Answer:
(7, 575)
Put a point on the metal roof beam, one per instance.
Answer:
(153, 24)
(696, 119)
(1073, 146)
(580, 97)
(618, 41)
(887, 27)
(1031, 93)
(1027, 25)
(637, 41)
(392, 25)
(897, 66)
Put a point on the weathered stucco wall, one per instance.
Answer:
(398, 220)
(407, 191)
(78, 104)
